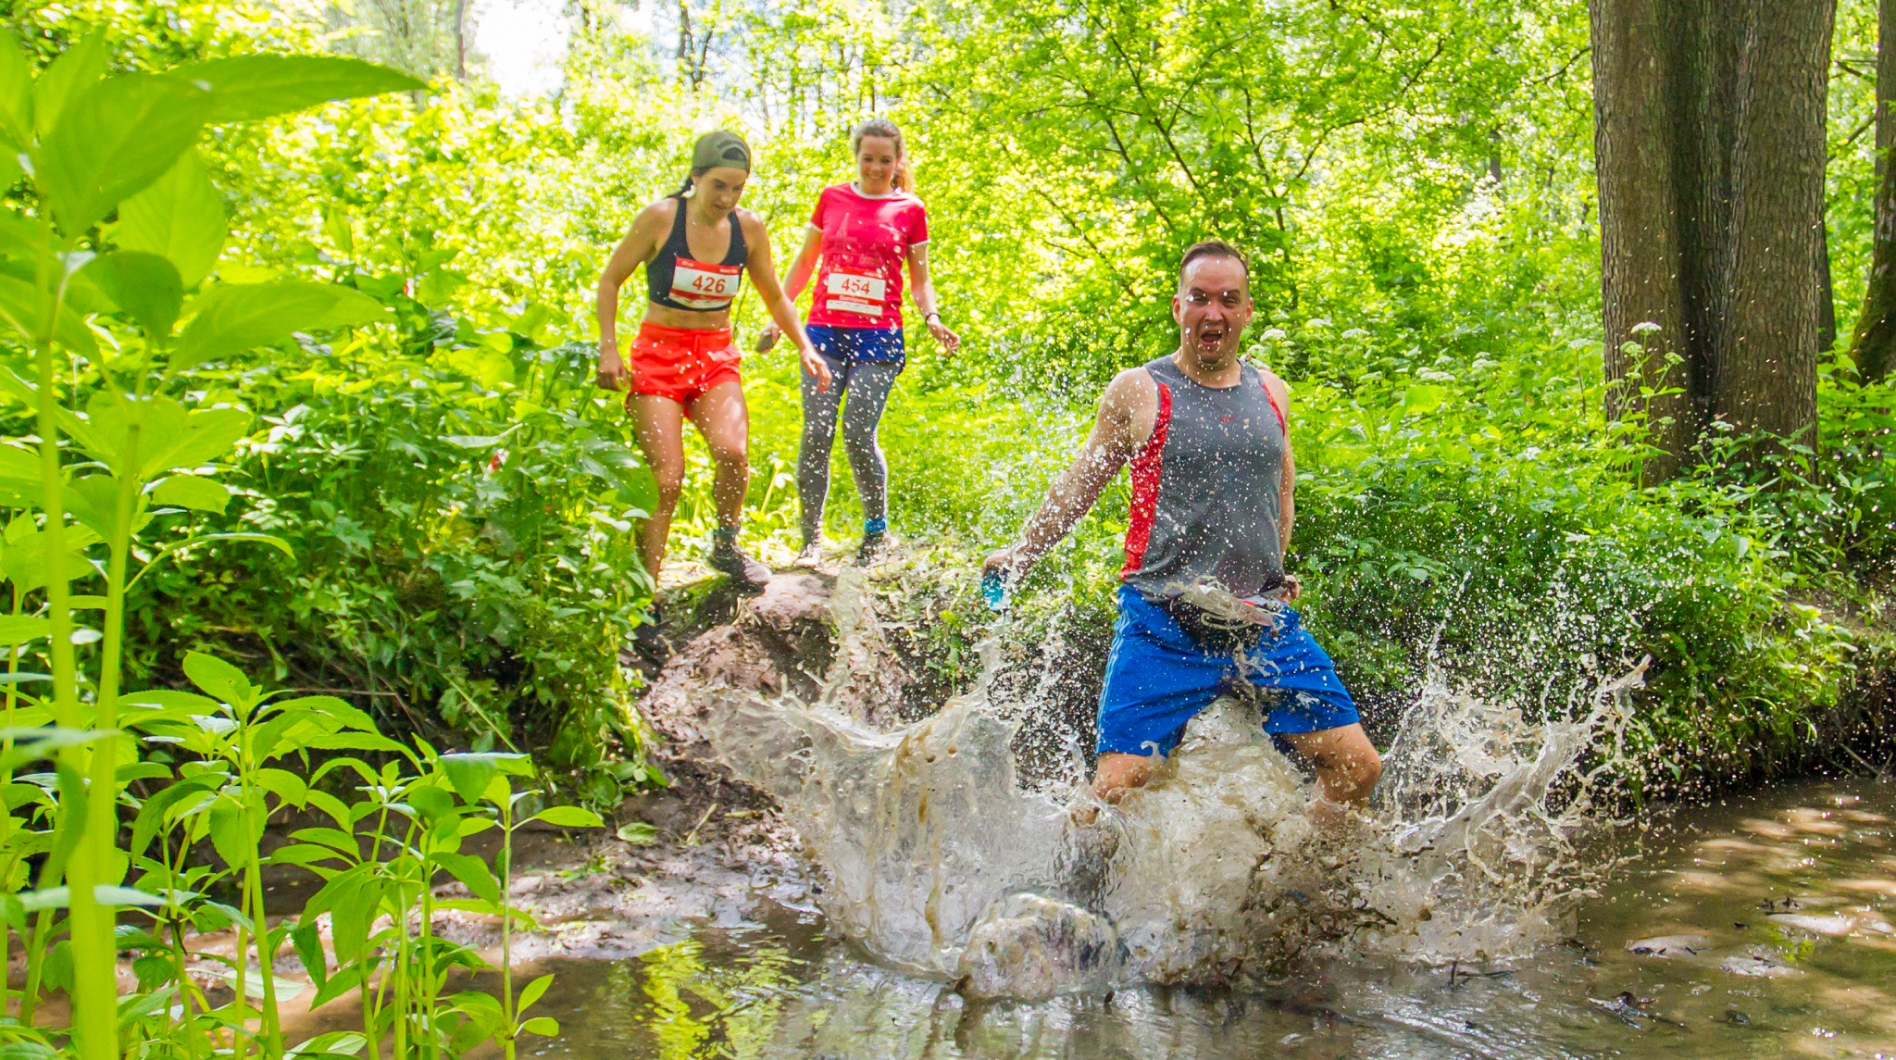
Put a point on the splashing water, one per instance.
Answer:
(937, 860)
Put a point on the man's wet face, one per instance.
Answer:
(1212, 307)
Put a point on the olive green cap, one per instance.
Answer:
(721, 148)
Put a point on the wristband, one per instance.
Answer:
(930, 315)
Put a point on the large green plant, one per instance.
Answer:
(93, 147)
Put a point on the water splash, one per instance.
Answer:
(938, 860)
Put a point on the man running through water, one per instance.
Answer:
(1204, 602)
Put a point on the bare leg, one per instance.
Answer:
(660, 425)
(1116, 774)
(722, 417)
(1347, 763)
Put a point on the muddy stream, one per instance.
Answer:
(835, 873)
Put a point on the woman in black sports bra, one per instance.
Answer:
(696, 247)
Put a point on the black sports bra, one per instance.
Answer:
(675, 279)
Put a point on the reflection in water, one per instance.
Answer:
(1757, 928)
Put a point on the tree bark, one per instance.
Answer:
(1639, 230)
(1874, 343)
(460, 40)
(1764, 376)
(1709, 143)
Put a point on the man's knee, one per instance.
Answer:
(1116, 774)
(1353, 774)
(1347, 764)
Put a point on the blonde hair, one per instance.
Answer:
(887, 130)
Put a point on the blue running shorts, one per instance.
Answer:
(847, 346)
(1157, 679)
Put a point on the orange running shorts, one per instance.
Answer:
(682, 364)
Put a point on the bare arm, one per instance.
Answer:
(1287, 486)
(801, 270)
(804, 265)
(1107, 448)
(638, 246)
(763, 273)
(922, 289)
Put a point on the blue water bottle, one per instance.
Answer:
(994, 588)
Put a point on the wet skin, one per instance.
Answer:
(1212, 307)
(720, 414)
(876, 163)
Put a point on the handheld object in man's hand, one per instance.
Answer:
(994, 589)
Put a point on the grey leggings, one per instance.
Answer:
(868, 384)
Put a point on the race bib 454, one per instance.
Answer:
(856, 292)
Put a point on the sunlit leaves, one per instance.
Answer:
(167, 436)
(19, 477)
(145, 286)
(75, 70)
(115, 138)
(237, 317)
(190, 491)
(16, 94)
(262, 86)
(180, 216)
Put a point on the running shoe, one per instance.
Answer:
(874, 544)
(811, 556)
(748, 575)
(650, 647)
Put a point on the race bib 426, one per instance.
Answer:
(701, 285)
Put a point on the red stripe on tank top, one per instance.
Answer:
(1272, 398)
(1147, 464)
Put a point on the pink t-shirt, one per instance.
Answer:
(865, 244)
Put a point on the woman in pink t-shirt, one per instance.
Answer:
(864, 233)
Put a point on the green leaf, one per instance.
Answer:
(337, 710)
(472, 775)
(545, 1026)
(145, 286)
(284, 785)
(113, 140)
(219, 679)
(16, 93)
(75, 70)
(19, 477)
(231, 834)
(169, 436)
(18, 629)
(532, 993)
(25, 306)
(107, 894)
(474, 873)
(335, 1043)
(27, 563)
(238, 317)
(261, 86)
(569, 817)
(180, 216)
(1424, 398)
(307, 940)
(93, 500)
(355, 908)
(193, 492)
(637, 833)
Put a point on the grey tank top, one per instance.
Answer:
(1205, 503)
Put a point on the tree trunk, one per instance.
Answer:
(1764, 376)
(1639, 230)
(1874, 344)
(1709, 140)
(460, 40)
